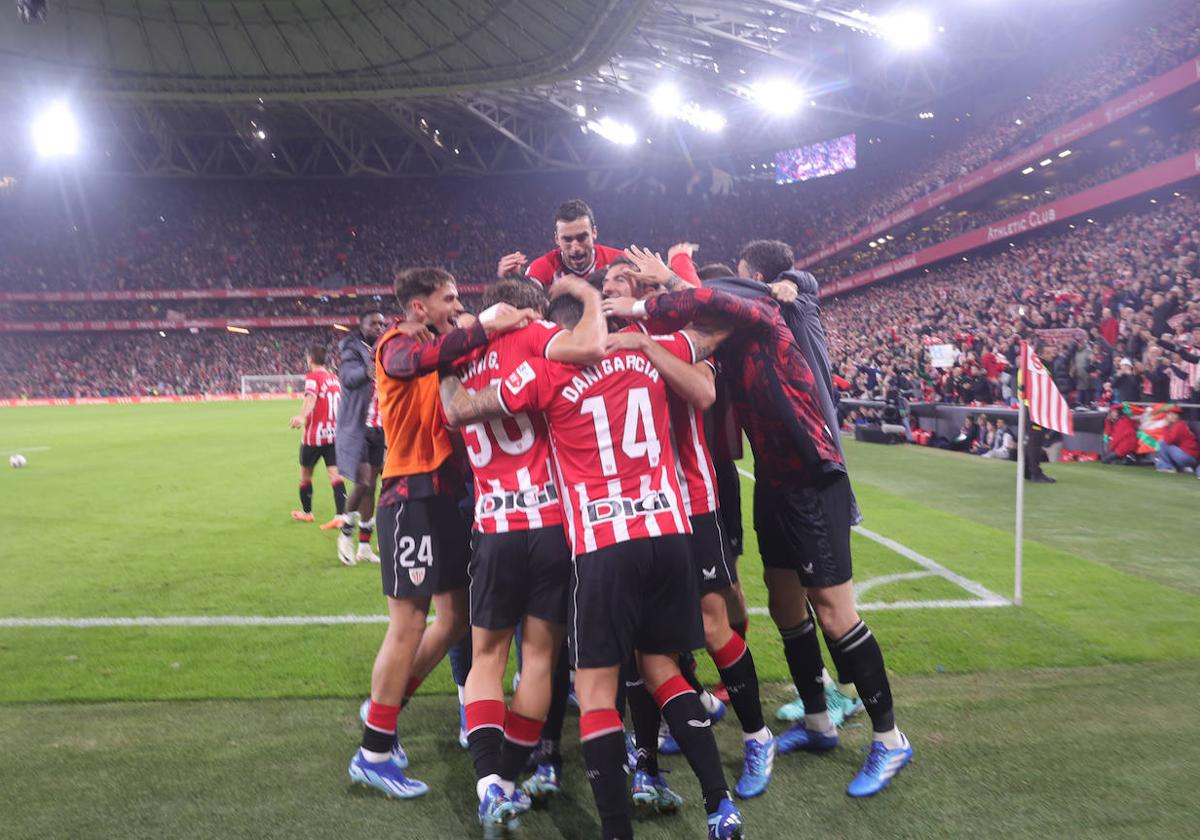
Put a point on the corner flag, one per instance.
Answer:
(1046, 405)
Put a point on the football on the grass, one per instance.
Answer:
(16, 461)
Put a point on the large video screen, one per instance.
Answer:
(816, 161)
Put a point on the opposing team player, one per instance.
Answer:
(521, 564)
(360, 441)
(634, 587)
(423, 540)
(318, 418)
(577, 253)
(802, 509)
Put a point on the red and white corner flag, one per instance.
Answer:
(1046, 405)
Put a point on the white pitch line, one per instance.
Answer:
(196, 621)
(989, 598)
(24, 449)
(861, 587)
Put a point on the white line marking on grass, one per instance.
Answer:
(987, 598)
(24, 449)
(196, 621)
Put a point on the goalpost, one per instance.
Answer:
(277, 383)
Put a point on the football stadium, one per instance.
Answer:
(589, 420)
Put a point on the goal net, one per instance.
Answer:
(281, 383)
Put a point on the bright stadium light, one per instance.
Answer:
(614, 131)
(666, 99)
(55, 132)
(778, 96)
(704, 119)
(908, 29)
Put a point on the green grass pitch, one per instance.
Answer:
(1069, 716)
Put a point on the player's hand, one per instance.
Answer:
(465, 321)
(511, 264)
(688, 248)
(502, 317)
(649, 265)
(784, 291)
(417, 332)
(297, 421)
(576, 287)
(626, 341)
(619, 307)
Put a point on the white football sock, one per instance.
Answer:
(375, 757)
(710, 702)
(482, 785)
(762, 736)
(893, 739)
(460, 694)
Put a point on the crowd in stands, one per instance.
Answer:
(948, 223)
(1114, 308)
(125, 364)
(1168, 36)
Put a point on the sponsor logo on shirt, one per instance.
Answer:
(531, 498)
(603, 510)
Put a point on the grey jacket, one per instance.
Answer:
(356, 357)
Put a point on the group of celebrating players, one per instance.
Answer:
(587, 422)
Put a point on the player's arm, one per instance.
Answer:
(462, 408)
(352, 371)
(306, 410)
(584, 344)
(405, 357)
(690, 305)
(679, 258)
(695, 383)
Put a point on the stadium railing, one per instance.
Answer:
(1178, 168)
(1116, 109)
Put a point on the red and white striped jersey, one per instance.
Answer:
(374, 421)
(510, 456)
(697, 476)
(321, 425)
(611, 443)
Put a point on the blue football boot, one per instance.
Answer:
(726, 823)
(387, 777)
(880, 768)
(756, 769)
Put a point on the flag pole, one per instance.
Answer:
(1020, 493)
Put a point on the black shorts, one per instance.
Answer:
(711, 555)
(806, 529)
(424, 547)
(519, 573)
(373, 449)
(309, 455)
(636, 595)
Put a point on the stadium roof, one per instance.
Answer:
(277, 88)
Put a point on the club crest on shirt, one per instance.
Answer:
(417, 576)
(519, 378)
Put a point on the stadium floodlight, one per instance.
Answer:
(1064, 153)
(614, 131)
(666, 99)
(907, 29)
(704, 119)
(55, 131)
(1045, 162)
(778, 96)
(1026, 170)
